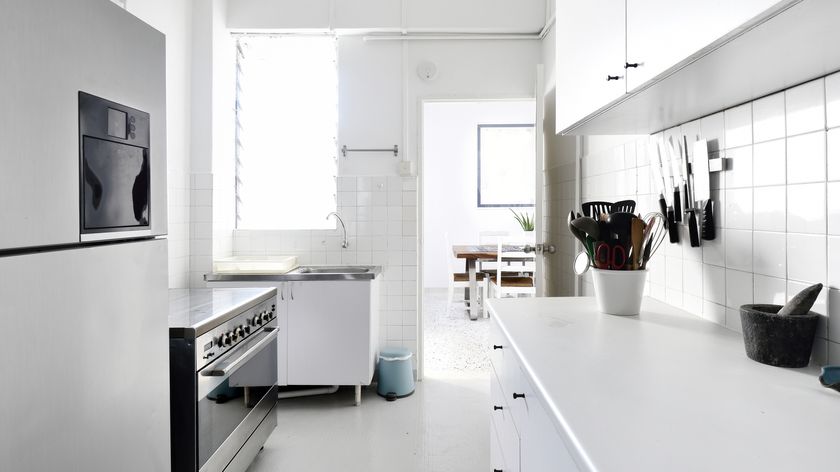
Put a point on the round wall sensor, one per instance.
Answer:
(427, 70)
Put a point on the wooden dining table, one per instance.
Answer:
(481, 252)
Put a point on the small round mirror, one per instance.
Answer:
(581, 263)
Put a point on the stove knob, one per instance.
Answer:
(219, 341)
(265, 317)
(226, 339)
(247, 329)
(255, 320)
(233, 335)
(240, 331)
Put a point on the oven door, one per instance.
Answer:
(235, 394)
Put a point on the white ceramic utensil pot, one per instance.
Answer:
(619, 292)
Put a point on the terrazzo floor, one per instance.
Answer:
(454, 345)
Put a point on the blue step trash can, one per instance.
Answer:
(396, 378)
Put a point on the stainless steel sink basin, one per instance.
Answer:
(333, 270)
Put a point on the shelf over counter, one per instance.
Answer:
(781, 48)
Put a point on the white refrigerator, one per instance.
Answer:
(84, 350)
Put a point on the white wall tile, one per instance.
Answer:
(693, 279)
(806, 208)
(805, 107)
(739, 249)
(739, 208)
(714, 312)
(769, 254)
(806, 257)
(738, 125)
(733, 319)
(712, 129)
(806, 158)
(770, 290)
(714, 251)
(769, 166)
(834, 262)
(714, 284)
(741, 167)
(834, 317)
(769, 208)
(833, 203)
(769, 118)
(833, 154)
(832, 98)
(739, 288)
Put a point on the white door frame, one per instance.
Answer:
(419, 152)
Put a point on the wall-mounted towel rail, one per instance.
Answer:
(395, 150)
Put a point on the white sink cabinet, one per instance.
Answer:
(329, 330)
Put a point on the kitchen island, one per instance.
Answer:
(661, 391)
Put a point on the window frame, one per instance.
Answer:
(478, 187)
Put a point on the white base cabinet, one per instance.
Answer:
(329, 330)
(523, 437)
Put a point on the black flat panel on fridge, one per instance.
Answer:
(114, 161)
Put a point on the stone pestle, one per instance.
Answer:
(803, 301)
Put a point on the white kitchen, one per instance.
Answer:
(253, 235)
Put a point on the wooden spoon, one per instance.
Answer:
(637, 236)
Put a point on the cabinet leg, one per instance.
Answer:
(358, 395)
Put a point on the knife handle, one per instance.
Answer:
(708, 230)
(673, 230)
(663, 207)
(677, 208)
(693, 237)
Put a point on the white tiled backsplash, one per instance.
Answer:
(777, 208)
(381, 218)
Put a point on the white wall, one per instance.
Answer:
(174, 19)
(778, 208)
(379, 101)
(450, 179)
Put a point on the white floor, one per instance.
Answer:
(443, 427)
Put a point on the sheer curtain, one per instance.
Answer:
(286, 128)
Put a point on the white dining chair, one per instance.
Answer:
(514, 274)
(490, 238)
(461, 280)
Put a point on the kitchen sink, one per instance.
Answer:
(333, 270)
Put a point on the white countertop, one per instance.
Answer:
(667, 391)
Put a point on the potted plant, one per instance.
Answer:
(525, 220)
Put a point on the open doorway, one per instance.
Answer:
(478, 169)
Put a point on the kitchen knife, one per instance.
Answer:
(687, 172)
(708, 230)
(692, 229)
(673, 230)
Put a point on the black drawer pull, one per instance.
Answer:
(496, 346)
(498, 470)
(496, 407)
(632, 64)
(518, 395)
(613, 77)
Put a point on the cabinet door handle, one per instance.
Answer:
(614, 77)
(292, 291)
(498, 470)
(282, 298)
(634, 65)
(518, 395)
(496, 346)
(496, 407)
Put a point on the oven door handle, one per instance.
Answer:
(224, 367)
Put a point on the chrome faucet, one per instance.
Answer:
(344, 242)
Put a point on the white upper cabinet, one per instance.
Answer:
(661, 33)
(590, 56)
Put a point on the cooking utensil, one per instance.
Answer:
(588, 226)
(688, 169)
(673, 231)
(574, 230)
(610, 256)
(653, 236)
(637, 234)
(619, 226)
(581, 263)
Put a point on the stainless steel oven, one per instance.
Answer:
(223, 378)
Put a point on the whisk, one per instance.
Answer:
(654, 234)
